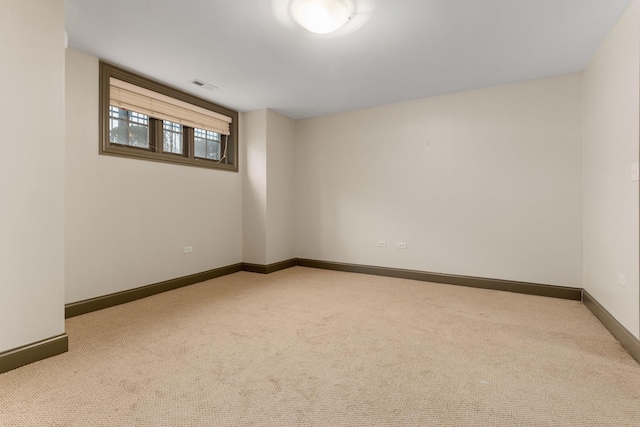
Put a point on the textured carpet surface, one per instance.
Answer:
(307, 347)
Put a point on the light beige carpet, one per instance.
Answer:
(307, 347)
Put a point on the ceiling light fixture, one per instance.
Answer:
(320, 16)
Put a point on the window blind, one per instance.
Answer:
(135, 98)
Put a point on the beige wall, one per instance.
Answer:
(254, 189)
(280, 187)
(610, 147)
(484, 183)
(31, 171)
(268, 212)
(129, 220)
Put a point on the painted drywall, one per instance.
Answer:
(484, 183)
(280, 187)
(128, 220)
(31, 172)
(611, 99)
(268, 209)
(254, 192)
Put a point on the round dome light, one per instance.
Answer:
(320, 16)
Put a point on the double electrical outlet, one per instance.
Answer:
(399, 245)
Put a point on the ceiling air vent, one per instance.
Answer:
(203, 85)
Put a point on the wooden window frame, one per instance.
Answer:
(193, 138)
(106, 147)
(151, 134)
(159, 125)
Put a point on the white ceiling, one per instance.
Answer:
(391, 50)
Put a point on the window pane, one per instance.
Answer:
(172, 142)
(207, 144)
(118, 131)
(200, 148)
(117, 125)
(138, 118)
(138, 135)
(128, 127)
(213, 150)
(117, 112)
(172, 137)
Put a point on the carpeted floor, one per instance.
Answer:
(307, 347)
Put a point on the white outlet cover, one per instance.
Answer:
(635, 172)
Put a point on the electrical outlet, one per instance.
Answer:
(621, 280)
(382, 244)
(401, 245)
(635, 172)
(188, 249)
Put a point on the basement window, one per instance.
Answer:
(144, 119)
(207, 144)
(128, 128)
(172, 137)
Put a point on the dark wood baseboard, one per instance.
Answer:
(105, 301)
(450, 279)
(629, 341)
(21, 356)
(269, 268)
(622, 334)
(34, 352)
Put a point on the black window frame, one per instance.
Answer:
(155, 152)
